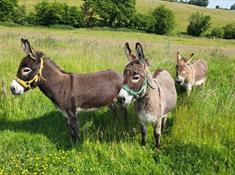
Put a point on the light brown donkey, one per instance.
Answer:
(154, 95)
(189, 74)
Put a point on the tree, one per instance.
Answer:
(50, 13)
(202, 3)
(229, 31)
(89, 13)
(142, 22)
(217, 7)
(198, 24)
(217, 32)
(112, 13)
(19, 15)
(163, 20)
(7, 9)
(232, 7)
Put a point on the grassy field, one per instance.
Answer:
(181, 11)
(200, 133)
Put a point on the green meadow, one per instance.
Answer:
(200, 133)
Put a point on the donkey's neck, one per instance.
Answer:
(190, 77)
(54, 80)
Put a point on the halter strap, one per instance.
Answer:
(36, 78)
(135, 93)
(161, 107)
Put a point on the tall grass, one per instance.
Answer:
(200, 133)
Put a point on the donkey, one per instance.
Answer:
(154, 95)
(189, 74)
(71, 93)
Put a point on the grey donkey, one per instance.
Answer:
(154, 95)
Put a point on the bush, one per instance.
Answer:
(56, 13)
(141, 22)
(198, 24)
(19, 15)
(217, 32)
(229, 31)
(32, 19)
(163, 21)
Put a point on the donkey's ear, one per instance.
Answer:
(178, 57)
(139, 52)
(129, 53)
(190, 59)
(27, 48)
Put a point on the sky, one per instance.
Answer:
(221, 3)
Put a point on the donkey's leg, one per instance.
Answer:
(204, 83)
(124, 113)
(189, 88)
(164, 122)
(113, 107)
(119, 110)
(157, 132)
(144, 130)
(73, 126)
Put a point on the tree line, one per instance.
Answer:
(108, 13)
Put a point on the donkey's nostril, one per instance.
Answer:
(13, 88)
(178, 81)
(121, 99)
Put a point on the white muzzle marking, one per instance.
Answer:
(16, 88)
(180, 79)
(127, 98)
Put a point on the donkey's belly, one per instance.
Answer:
(85, 110)
(199, 82)
(96, 102)
(146, 117)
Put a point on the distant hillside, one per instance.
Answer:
(181, 11)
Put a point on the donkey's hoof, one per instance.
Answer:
(158, 146)
(143, 142)
(75, 138)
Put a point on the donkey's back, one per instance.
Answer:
(167, 90)
(200, 69)
(96, 89)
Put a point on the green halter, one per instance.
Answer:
(137, 93)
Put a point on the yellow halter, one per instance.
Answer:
(36, 78)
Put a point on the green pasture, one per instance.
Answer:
(200, 133)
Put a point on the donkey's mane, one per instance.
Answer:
(55, 66)
(52, 63)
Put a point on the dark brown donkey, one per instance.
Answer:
(71, 93)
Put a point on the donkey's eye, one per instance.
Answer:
(26, 70)
(136, 77)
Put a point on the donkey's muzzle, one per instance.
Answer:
(178, 81)
(16, 88)
(121, 100)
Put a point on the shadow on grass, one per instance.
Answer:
(180, 89)
(101, 125)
